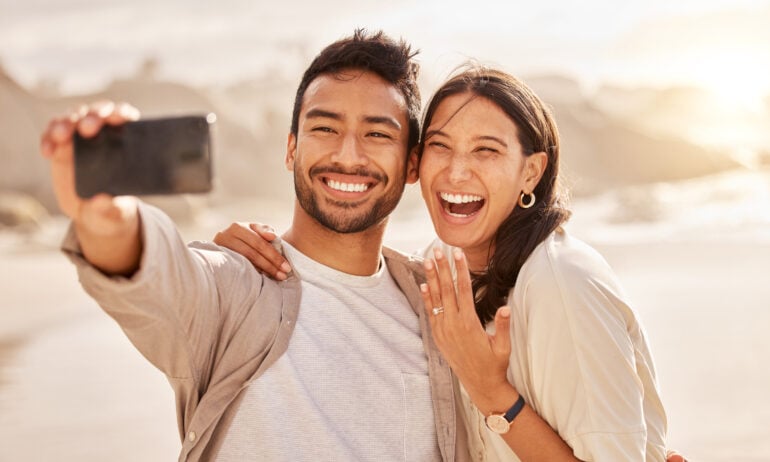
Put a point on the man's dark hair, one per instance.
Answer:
(376, 53)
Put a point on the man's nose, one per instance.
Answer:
(350, 152)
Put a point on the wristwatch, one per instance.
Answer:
(501, 423)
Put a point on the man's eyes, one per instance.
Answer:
(323, 129)
(374, 134)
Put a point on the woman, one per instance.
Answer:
(489, 177)
(489, 161)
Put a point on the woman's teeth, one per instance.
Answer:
(461, 205)
(460, 198)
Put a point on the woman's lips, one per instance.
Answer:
(460, 205)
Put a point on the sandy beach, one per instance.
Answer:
(72, 388)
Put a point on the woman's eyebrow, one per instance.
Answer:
(431, 133)
(491, 138)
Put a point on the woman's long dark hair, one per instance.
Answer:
(523, 229)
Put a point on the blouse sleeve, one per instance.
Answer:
(580, 350)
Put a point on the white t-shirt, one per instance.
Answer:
(353, 384)
(579, 358)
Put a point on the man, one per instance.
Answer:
(334, 363)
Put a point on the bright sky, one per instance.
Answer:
(723, 45)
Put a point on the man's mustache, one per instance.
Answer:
(358, 171)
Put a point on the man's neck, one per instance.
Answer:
(352, 253)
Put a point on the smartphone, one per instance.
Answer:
(151, 156)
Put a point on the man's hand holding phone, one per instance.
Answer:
(107, 227)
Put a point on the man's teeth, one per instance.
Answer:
(348, 187)
(461, 198)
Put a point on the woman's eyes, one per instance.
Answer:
(436, 144)
(487, 150)
(481, 150)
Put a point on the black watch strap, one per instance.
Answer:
(515, 409)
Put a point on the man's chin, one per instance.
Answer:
(347, 224)
(346, 217)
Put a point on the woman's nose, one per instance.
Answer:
(459, 168)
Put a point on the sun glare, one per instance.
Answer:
(739, 79)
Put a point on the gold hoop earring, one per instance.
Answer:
(529, 203)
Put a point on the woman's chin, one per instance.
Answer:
(456, 238)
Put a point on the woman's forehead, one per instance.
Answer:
(467, 110)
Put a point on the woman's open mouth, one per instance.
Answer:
(461, 205)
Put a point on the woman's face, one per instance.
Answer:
(472, 172)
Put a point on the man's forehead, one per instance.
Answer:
(354, 91)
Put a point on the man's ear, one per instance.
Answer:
(291, 152)
(413, 166)
(534, 167)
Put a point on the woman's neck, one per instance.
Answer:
(478, 258)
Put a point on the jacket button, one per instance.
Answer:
(191, 436)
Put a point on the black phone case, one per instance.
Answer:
(153, 156)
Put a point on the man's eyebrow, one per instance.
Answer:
(393, 123)
(320, 113)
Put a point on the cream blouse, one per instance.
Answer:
(579, 358)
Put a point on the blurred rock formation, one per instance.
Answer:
(610, 139)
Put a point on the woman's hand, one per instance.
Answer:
(479, 360)
(252, 240)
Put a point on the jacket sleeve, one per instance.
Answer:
(172, 309)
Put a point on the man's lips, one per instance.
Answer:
(460, 205)
(347, 185)
(356, 182)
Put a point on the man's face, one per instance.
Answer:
(349, 156)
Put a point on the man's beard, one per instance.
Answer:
(347, 219)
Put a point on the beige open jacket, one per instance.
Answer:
(212, 324)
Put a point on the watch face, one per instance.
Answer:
(498, 424)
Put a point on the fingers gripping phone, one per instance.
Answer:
(152, 156)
